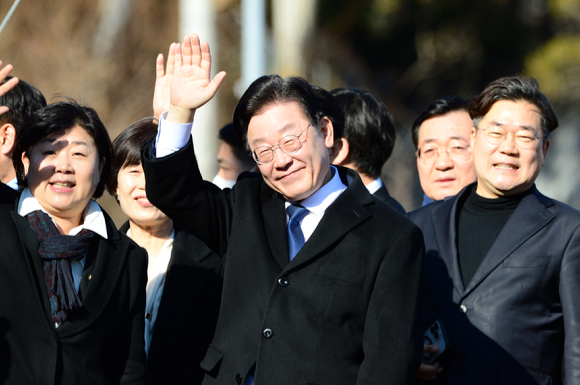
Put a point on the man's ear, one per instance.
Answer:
(25, 162)
(327, 130)
(7, 138)
(339, 153)
(545, 148)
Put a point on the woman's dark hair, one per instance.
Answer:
(271, 89)
(59, 118)
(514, 88)
(127, 148)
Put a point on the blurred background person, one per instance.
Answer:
(184, 285)
(368, 140)
(441, 135)
(233, 158)
(74, 312)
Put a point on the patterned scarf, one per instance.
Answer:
(56, 251)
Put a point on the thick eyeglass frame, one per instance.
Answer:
(462, 156)
(286, 139)
(504, 134)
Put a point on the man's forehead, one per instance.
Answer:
(275, 119)
(456, 125)
(521, 114)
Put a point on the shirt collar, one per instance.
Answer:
(374, 185)
(318, 202)
(94, 217)
(13, 184)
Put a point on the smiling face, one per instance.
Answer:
(299, 175)
(63, 171)
(505, 169)
(443, 176)
(133, 200)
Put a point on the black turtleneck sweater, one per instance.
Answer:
(479, 222)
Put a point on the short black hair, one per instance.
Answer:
(127, 148)
(229, 135)
(332, 110)
(22, 100)
(368, 128)
(514, 88)
(58, 118)
(271, 89)
(439, 107)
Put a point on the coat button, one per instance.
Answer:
(238, 378)
(283, 282)
(463, 309)
(267, 333)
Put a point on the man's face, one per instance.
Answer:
(299, 175)
(506, 169)
(230, 165)
(443, 176)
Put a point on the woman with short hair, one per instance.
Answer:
(185, 276)
(73, 286)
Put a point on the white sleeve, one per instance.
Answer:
(171, 137)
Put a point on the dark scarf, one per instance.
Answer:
(56, 251)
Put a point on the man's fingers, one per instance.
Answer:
(205, 57)
(177, 57)
(216, 82)
(196, 48)
(8, 86)
(159, 70)
(170, 59)
(187, 51)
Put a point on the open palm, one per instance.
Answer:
(191, 86)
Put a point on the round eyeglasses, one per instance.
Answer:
(497, 135)
(429, 153)
(289, 144)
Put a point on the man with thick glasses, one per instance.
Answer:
(503, 260)
(321, 279)
(441, 135)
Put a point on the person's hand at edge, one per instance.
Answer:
(4, 88)
(429, 372)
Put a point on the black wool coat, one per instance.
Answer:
(102, 343)
(343, 311)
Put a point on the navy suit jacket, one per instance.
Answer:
(518, 319)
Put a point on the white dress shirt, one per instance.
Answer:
(374, 185)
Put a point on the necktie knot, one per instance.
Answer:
(295, 235)
(296, 212)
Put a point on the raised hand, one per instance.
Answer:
(8, 85)
(191, 86)
(163, 77)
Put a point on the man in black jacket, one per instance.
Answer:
(502, 260)
(330, 298)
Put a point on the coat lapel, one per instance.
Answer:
(36, 269)
(274, 216)
(102, 272)
(344, 214)
(444, 227)
(530, 216)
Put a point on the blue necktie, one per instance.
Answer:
(295, 235)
